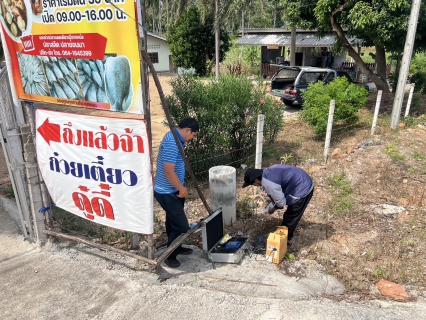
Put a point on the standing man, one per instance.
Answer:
(285, 185)
(169, 187)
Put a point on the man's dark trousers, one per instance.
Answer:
(176, 221)
(294, 213)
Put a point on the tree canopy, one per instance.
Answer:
(192, 42)
(379, 23)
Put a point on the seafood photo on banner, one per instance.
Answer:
(104, 81)
(15, 16)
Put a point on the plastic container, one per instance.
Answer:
(222, 182)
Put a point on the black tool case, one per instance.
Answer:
(212, 232)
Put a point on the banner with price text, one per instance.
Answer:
(97, 168)
(80, 53)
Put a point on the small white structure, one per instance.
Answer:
(159, 53)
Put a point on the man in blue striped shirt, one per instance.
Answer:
(169, 187)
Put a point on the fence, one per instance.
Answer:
(305, 143)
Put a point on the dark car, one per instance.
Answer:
(288, 82)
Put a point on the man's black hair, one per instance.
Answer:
(190, 123)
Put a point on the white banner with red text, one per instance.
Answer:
(98, 168)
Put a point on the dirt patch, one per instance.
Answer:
(346, 227)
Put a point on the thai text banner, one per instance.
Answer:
(97, 168)
(80, 53)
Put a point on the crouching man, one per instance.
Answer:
(285, 185)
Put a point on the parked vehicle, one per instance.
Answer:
(288, 82)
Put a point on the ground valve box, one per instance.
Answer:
(231, 251)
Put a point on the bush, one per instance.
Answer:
(227, 112)
(419, 79)
(349, 99)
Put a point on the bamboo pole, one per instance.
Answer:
(176, 243)
(170, 122)
(100, 246)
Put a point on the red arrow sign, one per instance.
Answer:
(50, 131)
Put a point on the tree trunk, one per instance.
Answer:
(381, 84)
(398, 62)
(242, 22)
(293, 47)
(380, 62)
(167, 12)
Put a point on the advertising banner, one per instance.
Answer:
(97, 168)
(81, 53)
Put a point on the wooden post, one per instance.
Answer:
(100, 246)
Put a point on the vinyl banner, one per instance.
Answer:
(97, 168)
(81, 53)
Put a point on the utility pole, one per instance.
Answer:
(293, 47)
(406, 60)
(217, 38)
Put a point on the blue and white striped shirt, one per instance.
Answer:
(169, 153)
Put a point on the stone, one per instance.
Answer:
(403, 202)
(351, 149)
(317, 168)
(387, 209)
(336, 153)
(392, 290)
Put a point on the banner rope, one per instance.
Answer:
(30, 105)
(42, 210)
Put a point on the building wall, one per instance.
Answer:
(163, 50)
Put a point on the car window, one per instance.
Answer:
(286, 73)
(311, 77)
(345, 75)
(330, 77)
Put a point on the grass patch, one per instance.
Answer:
(392, 152)
(341, 201)
(8, 192)
(73, 224)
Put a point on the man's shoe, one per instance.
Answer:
(185, 251)
(172, 263)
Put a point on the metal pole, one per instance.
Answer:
(410, 97)
(376, 111)
(406, 59)
(217, 37)
(329, 128)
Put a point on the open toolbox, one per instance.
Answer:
(230, 251)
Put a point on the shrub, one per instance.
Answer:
(227, 112)
(349, 99)
(419, 79)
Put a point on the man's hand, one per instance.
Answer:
(183, 192)
(272, 210)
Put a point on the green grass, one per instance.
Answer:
(341, 201)
(392, 152)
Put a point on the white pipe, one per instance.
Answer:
(410, 97)
(259, 141)
(223, 192)
(329, 128)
